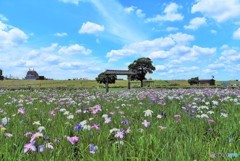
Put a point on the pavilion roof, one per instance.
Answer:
(119, 72)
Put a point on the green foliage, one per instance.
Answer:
(102, 78)
(193, 81)
(141, 67)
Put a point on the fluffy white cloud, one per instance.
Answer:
(174, 48)
(230, 56)
(74, 49)
(159, 54)
(236, 34)
(133, 9)
(11, 36)
(91, 28)
(216, 66)
(61, 34)
(161, 67)
(70, 1)
(220, 10)
(114, 55)
(170, 13)
(196, 23)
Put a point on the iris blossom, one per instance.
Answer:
(30, 147)
(73, 139)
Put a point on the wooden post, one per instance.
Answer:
(129, 85)
(107, 85)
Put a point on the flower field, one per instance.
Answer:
(168, 125)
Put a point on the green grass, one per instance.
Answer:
(83, 84)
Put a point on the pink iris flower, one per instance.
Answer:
(30, 147)
(73, 139)
(21, 111)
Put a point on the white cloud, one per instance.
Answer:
(171, 29)
(140, 13)
(3, 18)
(220, 10)
(196, 23)
(210, 71)
(216, 66)
(159, 54)
(170, 13)
(133, 9)
(74, 49)
(62, 34)
(114, 55)
(181, 38)
(236, 34)
(161, 67)
(213, 31)
(129, 9)
(11, 36)
(70, 1)
(203, 51)
(91, 28)
(174, 48)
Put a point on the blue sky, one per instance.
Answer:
(64, 39)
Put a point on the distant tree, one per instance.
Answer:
(102, 78)
(141, 67)
(193, 81)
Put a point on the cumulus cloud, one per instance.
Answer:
(174, 47)
(74, 49)
(236, 34)
(170, 13)
(137, 11)
(196, 23)
(115, 55)
(220, 10)
(11, 36)
(91, 28)
(62, 34)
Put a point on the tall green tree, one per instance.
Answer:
(102, 78)
(141, 67)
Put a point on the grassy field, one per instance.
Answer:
(68, 84)
(138, 125)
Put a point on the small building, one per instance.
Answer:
(1, 76)
(208, 82)
(32, 75)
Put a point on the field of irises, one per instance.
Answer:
(168, 125)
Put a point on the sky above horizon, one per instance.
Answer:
(64, 39)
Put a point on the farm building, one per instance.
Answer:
(210, 82)
(32, 75)
(1, 76)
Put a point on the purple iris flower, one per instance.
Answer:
(78, 127)
(93, 149)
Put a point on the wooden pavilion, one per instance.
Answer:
(119, 72)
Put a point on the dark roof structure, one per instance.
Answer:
(32, 75)
(118, 72)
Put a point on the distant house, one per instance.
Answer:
(32, 75)
(209, 82)
(1, 76)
